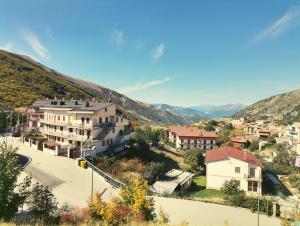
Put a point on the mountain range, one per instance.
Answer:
(204, 111)
(23, 81)
(283, 107)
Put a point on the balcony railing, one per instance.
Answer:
(252, 177)
(63, 134)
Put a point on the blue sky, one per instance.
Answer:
(177, 52)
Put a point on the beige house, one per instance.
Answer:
(74, 123)
(227, 163)
(186, 137)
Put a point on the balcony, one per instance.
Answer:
(65, 135)
(69, 124)
(251, 177)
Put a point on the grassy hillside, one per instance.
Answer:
(284, 108)
(23, 81)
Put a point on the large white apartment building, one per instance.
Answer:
(227, 163)
(185, 137)
(291, 135)
(72, 123)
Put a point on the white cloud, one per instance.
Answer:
(8, 46)
(117, 37)
(36, 44)
(142, 86)
(159, 51)
(280, 26)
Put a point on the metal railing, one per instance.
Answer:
(114, 182)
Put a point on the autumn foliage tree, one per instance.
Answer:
(133, 204)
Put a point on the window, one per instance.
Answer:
(211, 142)
(88, 133)
(107, 142)
(182, 146)
(237, 169)
(181, 141)
(103, 143)
(82, 120)
(189, 141)
(64, 118)
(105, 109)
(204, 141)
(87, 120)
(70, 130)
(111, 141)
(121, 119)
(117, 119)
(58, 118)
(252, 172)
(113, 130)
(70, 142)
(204, 147)
(100, 120)
(62, 140)
(106, 119)
(252, 186)
(61, 128)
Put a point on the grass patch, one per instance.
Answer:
(198, 190)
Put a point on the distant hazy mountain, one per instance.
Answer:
(204, 111)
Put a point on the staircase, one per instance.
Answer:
(106, 129)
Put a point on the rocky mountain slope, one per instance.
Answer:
(282, 107)
(23, 81)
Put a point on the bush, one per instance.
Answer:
(75, 216)
(240, 200)
(231, 187)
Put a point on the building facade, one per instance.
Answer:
(185, 137)
(74, 123)
(227, 163)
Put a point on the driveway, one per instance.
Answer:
(68, 182)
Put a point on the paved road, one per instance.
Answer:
(208, 214)
(71, 184)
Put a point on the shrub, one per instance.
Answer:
(75, 216)
(231, 187)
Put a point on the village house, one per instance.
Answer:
(73, 123)
(291, 136)
(240, 142)
(186, 137)
(227, 163)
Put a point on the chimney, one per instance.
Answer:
(245, 155)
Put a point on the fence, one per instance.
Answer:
(114, 182)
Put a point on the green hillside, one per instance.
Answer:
(23, 81)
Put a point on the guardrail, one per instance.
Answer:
(114, 182)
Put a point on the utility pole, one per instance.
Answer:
(259, 187)
(92, 190)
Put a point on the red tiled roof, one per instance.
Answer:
(190, 131)
(239, 139)
(223, 153)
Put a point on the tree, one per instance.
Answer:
(136, 197)
(42, 203)
(193, 160)
(231, 187)
(12, 193)
(152, 171)
(210, 125)
(254, 146)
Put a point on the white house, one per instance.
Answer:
(226, 163)
(73, 123)
(186, 137)
(291, 135)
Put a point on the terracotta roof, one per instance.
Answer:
(223, 153)
(190, 131)
(239, 139)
